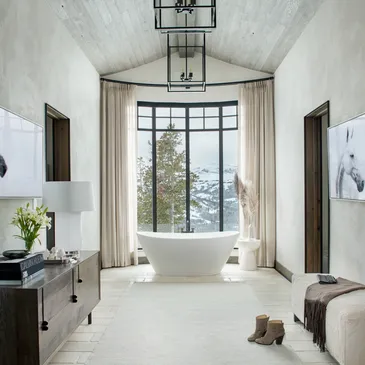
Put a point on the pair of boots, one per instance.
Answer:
(267, 331)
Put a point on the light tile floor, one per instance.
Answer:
(272, 290)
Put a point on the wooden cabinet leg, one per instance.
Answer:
(90, 318)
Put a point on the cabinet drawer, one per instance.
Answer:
(55, 296)
(60, 327)
(87, 276)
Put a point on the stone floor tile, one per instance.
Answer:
(78, 347)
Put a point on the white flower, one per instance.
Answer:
(30, 221)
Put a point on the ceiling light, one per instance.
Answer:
(186, 61)
(185, 14)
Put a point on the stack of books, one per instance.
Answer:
(20, 271)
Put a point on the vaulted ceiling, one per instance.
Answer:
(118, 35)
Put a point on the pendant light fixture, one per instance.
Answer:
(186, 62)
(185, 14)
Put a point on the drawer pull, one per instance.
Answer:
(73, 296)
(44, 324)
(78, 275)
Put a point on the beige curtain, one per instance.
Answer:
(118, 175)
(257, 159)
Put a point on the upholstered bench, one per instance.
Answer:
(345, 321)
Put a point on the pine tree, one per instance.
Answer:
(170, 180)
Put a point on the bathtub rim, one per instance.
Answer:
(187, 236)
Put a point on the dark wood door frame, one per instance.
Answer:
(60, 148)
(58, 155)
(317, 203)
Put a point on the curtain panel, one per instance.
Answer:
(118, 175)
(257, 160)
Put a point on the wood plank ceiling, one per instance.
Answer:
(117, 35)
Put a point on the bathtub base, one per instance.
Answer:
(184, 275)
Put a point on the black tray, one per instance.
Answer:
(15, 254)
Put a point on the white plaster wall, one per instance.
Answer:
(326, 63)
(41, 63)
(217, 71)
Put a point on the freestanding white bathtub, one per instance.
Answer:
(187, 254)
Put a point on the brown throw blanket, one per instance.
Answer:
(316, 299)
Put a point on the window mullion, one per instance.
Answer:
(187, 154)
(221, 197)
(154, 171)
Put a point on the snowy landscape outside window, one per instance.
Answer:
(187, 157)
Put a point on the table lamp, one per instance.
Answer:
(68, 199)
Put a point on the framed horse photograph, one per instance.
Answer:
(21, 157)
(346, 154)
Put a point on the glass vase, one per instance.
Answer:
(29, 246)
(251, 229)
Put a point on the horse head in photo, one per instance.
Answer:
(3, 167)
(349, 165)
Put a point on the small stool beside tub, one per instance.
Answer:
(247, 253)
(345, 320)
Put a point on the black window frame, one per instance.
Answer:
(187, 130)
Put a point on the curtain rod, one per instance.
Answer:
(165, 85)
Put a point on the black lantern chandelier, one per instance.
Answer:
(185, 14)
(186, 22)
(186, 69)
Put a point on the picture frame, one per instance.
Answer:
(346, 159)
(21, 157)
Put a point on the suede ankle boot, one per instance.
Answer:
(261, 325)
(275, 332)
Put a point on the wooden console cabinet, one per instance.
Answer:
(37, 317)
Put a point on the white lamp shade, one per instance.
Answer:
(68, 196)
